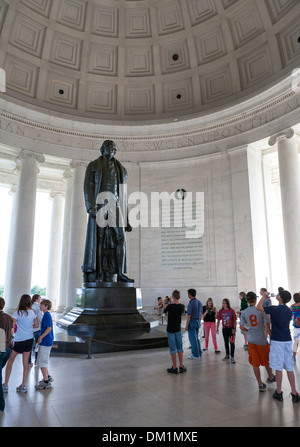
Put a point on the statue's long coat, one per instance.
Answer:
(92, 187)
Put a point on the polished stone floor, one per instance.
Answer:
(133, 389)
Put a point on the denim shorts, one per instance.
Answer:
(175, 342)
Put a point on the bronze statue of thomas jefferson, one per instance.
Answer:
(105, 247)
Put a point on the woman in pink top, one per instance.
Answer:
(228, 317)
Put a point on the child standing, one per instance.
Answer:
(281, 349)
(295, 308)
(254, 323)
(45, 342)
(228, 317)
(175, 310)
(243, 306)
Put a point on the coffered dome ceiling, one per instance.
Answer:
(145, 60)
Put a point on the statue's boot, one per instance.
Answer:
(89, 276)
(124, 278)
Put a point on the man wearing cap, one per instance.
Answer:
(281, 348)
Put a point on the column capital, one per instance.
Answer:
(29, 154)
(55, 193)
(78, 163)
(67, 174)
(287, 133)
(12, 190)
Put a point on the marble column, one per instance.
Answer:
(289, 174)
(8, 275)
(61, 304)
(54, 255)
(78, 222)
(22, 244)
(242, 219)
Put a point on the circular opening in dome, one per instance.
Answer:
(175, 57)
(178, 96)
(61, 91)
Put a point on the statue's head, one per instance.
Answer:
(108, 149)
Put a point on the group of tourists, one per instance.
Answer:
(265, 327)
(28, 331)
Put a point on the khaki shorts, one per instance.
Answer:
(258, 354)
(43, 356)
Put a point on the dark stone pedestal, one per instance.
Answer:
(111, 314)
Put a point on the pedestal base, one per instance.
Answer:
(113, 318)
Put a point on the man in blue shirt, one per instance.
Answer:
(194, 312)
(281, 349)
(45, 342)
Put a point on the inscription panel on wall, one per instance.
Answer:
(182, 245)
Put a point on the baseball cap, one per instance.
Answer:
(285, 295)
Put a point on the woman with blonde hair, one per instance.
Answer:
(209, 319)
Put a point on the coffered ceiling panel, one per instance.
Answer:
(144, 60)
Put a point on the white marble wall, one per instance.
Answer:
(216, 277)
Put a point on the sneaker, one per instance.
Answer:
(43, 385)
(193, 357)
(271, 380)
(262, 387)
(226, 357)
(278, 396)
(182, 369)
(295, 398)
(21, 389)
(172, 370)
(217, 351)
(5, 388)
(50, 379)
(232, 360)
(204, 349)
